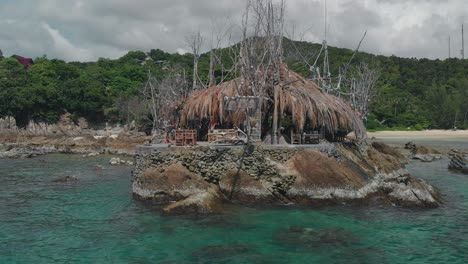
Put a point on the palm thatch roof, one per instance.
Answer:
(299, 97)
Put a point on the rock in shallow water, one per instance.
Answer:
(422, 153)
(118, 161)
(309, 238)
(459, 163)
(66, 179)
(221, 253)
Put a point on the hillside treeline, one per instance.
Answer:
(411, 93)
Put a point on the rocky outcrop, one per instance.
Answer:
(39, 138)
(210, 201)
(359, 176)
(243, 188)
(388, 150)
(8, 123)
(458, 163)
(205, 177)
(178, 190)
(422, 153)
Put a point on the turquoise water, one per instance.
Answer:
(95, 220)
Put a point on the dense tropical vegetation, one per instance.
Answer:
(412, 93)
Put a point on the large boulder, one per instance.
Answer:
(322, 179)
(358, 175)
(386, 149)
(407, 191)
(210, 201)
(164, 184)
(240, 187)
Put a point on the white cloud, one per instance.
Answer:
(63, 47)
(88, 29)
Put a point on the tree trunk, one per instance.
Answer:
(195, 71)
(274, 135)
(211, 73)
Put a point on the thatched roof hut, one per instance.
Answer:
(298, 97)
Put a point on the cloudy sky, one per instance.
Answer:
(85, 30)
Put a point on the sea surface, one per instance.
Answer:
(95, 220)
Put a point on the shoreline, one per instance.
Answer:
(429, 134)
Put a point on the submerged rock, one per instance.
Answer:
(221, 253)
(66, 179)
(310, 238)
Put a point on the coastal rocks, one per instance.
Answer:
(167, 184)
(407, 191)
(22, 153)
(386, 149)
(320, 178)
(179, 190)
(422, 153)
(459, 163)
(243, 188)
(210, 201)
(118, 161)
(365, 175)
(256, 175)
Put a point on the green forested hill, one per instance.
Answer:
(412, 93)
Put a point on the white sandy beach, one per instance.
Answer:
(420, 134)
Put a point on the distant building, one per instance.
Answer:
(26, 62)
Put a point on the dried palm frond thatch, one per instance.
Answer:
(299, 97)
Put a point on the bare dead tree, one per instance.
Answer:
(261, 52)
(362, 88)
(261, 46)
(195, 41)
(132, 109)
(300, 52)
(221, 33)
(163, 97)
(150, 93)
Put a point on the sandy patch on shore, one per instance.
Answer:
(420, 134)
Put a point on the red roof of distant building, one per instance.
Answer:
(26, 62)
